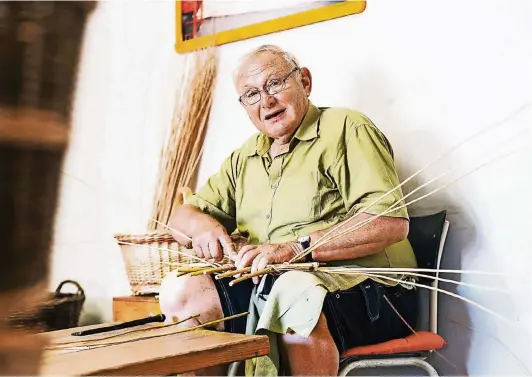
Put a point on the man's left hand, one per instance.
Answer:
(258, 257)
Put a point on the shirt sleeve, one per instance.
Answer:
(365, 170)
(217, 197)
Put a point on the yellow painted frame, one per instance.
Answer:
(307, 17)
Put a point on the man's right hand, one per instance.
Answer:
(205, 234)
(210, 240)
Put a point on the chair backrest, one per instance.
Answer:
(427, 236)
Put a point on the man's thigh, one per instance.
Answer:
(361, 316)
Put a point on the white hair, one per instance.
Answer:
(291, 60)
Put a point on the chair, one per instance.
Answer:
(427, 235)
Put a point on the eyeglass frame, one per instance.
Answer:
(283, 86)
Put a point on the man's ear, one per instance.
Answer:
(306, 80)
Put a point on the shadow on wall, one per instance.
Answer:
(415, 146)
(91, 315)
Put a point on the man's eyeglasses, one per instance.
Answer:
(273, 86)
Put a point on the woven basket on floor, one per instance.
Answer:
(59, 310)
(149, 257)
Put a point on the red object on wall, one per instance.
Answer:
(192, 17)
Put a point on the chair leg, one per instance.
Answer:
(384, 363)
(233, 368)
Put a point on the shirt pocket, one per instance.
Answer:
(327, 202)
(320, 188)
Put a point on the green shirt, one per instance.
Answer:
(337, 163)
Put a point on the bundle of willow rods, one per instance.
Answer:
(184, 145)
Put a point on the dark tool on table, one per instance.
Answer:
(123, 325)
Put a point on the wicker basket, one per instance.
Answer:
(149, 257)
(59, 311)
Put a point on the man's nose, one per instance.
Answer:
(267, 100)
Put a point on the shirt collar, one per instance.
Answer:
(308, 130)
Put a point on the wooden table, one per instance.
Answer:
(163, 353)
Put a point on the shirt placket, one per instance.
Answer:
(274, 178)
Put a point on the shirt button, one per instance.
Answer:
(268, 216)
(274, 186)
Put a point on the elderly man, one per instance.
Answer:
(306, 170)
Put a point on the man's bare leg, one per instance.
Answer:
(316, 355)
(188, 295)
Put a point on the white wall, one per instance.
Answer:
(125, 99)
(430, 74)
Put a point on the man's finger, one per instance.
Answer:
(204, 244)
(186, 242)
(255, 267)
(263, 263)
(227, 246)
(264, 260)
(245, 249)
(198, 250)
(247, 258)
(215, 250)
(242, 252)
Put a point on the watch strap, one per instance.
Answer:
(304, 242)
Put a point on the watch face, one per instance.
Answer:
(304, 241)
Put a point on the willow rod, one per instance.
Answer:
(227, 274)
(123, 333)
(410, 274)
(205, 271)
(482, 307)
(437, 159)
(414, 331)
(391, 209)
(166, 334)
(190, 255)
(324, 238)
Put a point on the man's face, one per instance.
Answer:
(277, 116)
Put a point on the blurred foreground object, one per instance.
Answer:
(40, 44)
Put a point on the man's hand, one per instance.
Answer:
(260, 256)
(210, 240)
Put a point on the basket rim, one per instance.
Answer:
(144, 238)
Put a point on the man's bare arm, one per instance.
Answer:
(209, 237)
(367, 240)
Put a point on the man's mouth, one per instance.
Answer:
(274, 114)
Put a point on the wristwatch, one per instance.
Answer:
(304, 241)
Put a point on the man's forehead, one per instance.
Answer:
(261, 66)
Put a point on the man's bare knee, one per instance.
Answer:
(187, 295)
(315, 355)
